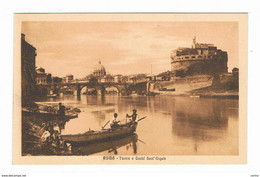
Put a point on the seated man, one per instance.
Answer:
(115, 122)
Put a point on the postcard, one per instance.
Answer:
(126, 88)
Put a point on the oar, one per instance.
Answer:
(105, 124)
(141, 118)
(141, 141)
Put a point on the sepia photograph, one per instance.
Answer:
(130, 88)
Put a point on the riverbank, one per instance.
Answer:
(216, 92)
(224, 86)
(42, 136)
(35, 143)
(210, 91)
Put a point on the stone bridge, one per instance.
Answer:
(100, 87)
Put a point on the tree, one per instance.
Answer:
(49, 79)
(57, 79)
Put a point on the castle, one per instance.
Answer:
(199, 59)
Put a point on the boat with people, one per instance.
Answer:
(48, 115)
(111, 146)
(102, 135)
(116, 130)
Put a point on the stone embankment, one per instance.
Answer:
(200, 85)
(217, 91)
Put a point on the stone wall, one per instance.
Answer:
(196, 66)
(183, 85)
(28, 54)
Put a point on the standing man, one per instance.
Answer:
(61, 110)
(133, 116)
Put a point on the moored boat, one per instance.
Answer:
(51, 95)
(49, 115)
(103, 135)
(152, 93)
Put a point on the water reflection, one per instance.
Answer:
(112, 147)
(100, 116)
(174, 125)
(204, 122)
(199, 119)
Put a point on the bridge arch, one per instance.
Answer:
(59, 88)
(81, 88)
(112, 88)
(68, 89)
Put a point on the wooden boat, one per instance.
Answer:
(103, 135)
(111, 146)
(152, 94)
(48, 115)
(51, 95)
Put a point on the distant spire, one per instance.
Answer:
(99, 62)
(194, 40)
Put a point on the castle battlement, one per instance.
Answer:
(201, 58)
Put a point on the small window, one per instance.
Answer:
(193, 57)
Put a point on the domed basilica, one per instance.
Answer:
(99, 70)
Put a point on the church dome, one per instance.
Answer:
(99, 67)
(99, 70)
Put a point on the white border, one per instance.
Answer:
(10, 7)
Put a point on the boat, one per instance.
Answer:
(103, 135)
(152, 93)
(167, 89)
(48, 115)
(194, 96)
(51, 96)
(111, 146)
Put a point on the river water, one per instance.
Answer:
(174, 125)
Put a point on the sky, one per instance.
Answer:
(123, 47)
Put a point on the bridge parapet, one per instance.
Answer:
(76, 87)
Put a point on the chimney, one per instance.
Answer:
(23, 36)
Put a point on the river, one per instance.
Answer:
(174, 125)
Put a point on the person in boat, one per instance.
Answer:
(61, 110)
(133, 116)
(115, 123)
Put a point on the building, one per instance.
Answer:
(118, 78)
(109, 78)
(28, 56)
(235, 71)
(99, 72)
(165, 76)
(69, 78)
(124, 79)
(137, 78)
(199, 59)
(41, 78)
